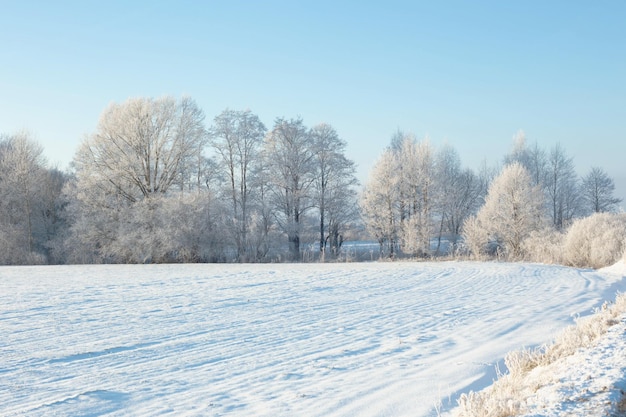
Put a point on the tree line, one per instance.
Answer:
(418, 196)
(156, 183)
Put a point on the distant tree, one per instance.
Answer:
(334, 184)
(51, 207)
(237, 136)
(513, 209)
(424, 193)
(417, 180)
(457, 193)
(561, 187)
(289, 156)
(380, 203)
(597, 192)
(263, 233)
(29, 193)
(533, 158)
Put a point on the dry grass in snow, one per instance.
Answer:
(535, 376)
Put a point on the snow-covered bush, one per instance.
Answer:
(475, 237)
(544, 246)
(595, 241)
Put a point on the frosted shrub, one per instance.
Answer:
(475, 237)
(595, 241)
(544, 246)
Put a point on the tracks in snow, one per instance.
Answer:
(349, 339)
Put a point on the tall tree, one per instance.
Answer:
(561, 187)
(458, 193)
(380, 203)
(262, 228)
(289, 157)
(140, 146)
(597, 192)
(125, 173)
(416, 170)
(333, 186)
(237, 137)
(29, 194)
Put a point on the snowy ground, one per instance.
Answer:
(592, 382)
(376, 339)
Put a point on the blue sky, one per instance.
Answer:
(469, 73)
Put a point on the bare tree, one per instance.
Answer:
(561, 187)
(597, 192)
(141, 146)
(29, 194)
(458, 194)
(289, 157)
(334, 185)
(262, 227)
(533, 158)
(237, 137)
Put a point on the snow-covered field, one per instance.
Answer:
(375, 339)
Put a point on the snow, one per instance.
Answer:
(367, 339)
(585, 384)
(590, 382)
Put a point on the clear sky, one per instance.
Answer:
(469, 73)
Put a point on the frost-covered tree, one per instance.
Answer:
(597, 190)
(173, 227)
(406, 211)
(561, 187)
(417, 178)
(29, 203)
(263, 233)
(458, 193)
(237, 137)
(433, 194)
(125, 177)
(555, 173)
(533, 158)
(380, 203)
(141, 146)
(334, 192)
(289, 155)
(513, 209)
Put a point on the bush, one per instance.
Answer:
(544, 246)
(595, 241)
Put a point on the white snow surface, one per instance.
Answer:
(367, 339)
(591, 382)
